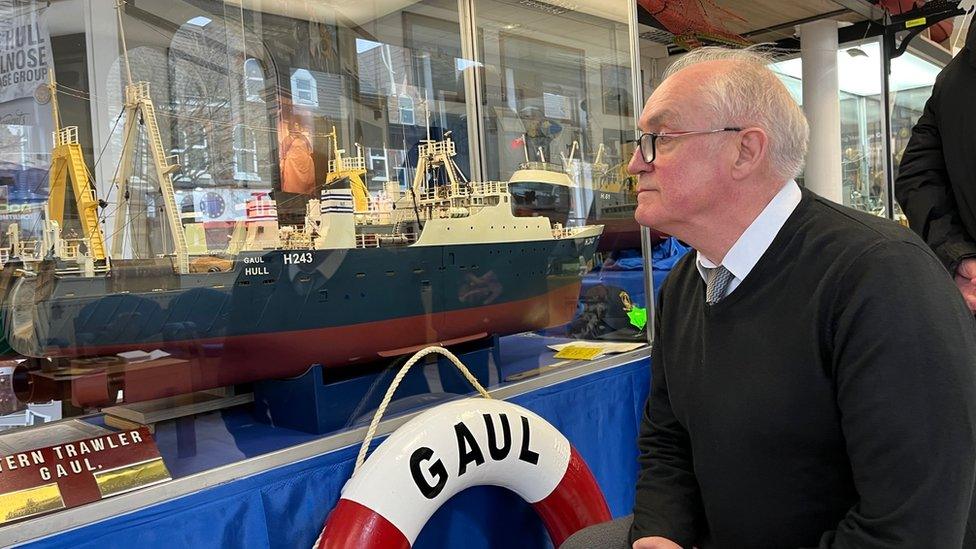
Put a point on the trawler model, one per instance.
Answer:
(456, 266)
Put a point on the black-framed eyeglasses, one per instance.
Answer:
(648, 141)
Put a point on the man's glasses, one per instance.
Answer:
(648, 141)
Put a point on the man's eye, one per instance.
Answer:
(663, 139)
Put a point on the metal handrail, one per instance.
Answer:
(356, 163)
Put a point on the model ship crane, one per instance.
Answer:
(352, 168)
(68, 165)
(139, 104)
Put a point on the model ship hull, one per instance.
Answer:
(286, 310)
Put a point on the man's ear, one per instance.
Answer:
(752, 148)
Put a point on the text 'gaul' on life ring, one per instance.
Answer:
(454, 446)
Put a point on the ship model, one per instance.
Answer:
(448, 263)
(443, 261)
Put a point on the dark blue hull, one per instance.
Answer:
(323, 292)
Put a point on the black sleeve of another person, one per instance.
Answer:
(924, 189)
(903, 350)
(667, 503)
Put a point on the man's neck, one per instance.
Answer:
(717, 231)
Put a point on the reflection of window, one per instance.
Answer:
(245, 154)
(194, 155)
(406, 110)
(15, 144)
(378, 165)
(304, 89)
(253, 80)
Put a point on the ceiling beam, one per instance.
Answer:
(791, 24)
(866, 9)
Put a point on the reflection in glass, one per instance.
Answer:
(861, 111)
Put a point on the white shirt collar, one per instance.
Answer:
(755, 240)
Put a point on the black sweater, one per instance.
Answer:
(830, 399)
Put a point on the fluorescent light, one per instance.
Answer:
(200, 21)
(461, 64)
(860, 73)
(363, 45)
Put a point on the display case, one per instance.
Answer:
(218, 196)
(862, 130)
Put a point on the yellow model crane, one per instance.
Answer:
(68, 164)
(353, 168)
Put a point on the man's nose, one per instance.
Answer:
(637, 164)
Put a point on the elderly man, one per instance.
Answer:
(814, 369)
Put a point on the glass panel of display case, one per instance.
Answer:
(558, 124)
(279, 198)
(861, 111)
(911, 87)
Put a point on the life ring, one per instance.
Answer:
(454, 446)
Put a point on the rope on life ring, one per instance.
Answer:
(451, 447)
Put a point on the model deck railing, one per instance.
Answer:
(65, 136)
(434, 148)
(473, 189)
(30, 250)
(354, 163)
(545, 166)
(71, 248)
(559, 232)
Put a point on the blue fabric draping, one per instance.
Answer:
(287, 506)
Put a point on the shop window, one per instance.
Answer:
(304, 89)
(378, 164)
(253, 80)
(406, 105)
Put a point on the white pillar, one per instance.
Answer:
(821, 103)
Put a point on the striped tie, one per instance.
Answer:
(716, 284)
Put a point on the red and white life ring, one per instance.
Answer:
(470, 442)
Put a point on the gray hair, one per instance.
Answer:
(752, 95)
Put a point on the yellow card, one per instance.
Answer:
(915, 22)
(579, 352)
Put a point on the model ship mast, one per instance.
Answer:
(138, 104)
(434, 157)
